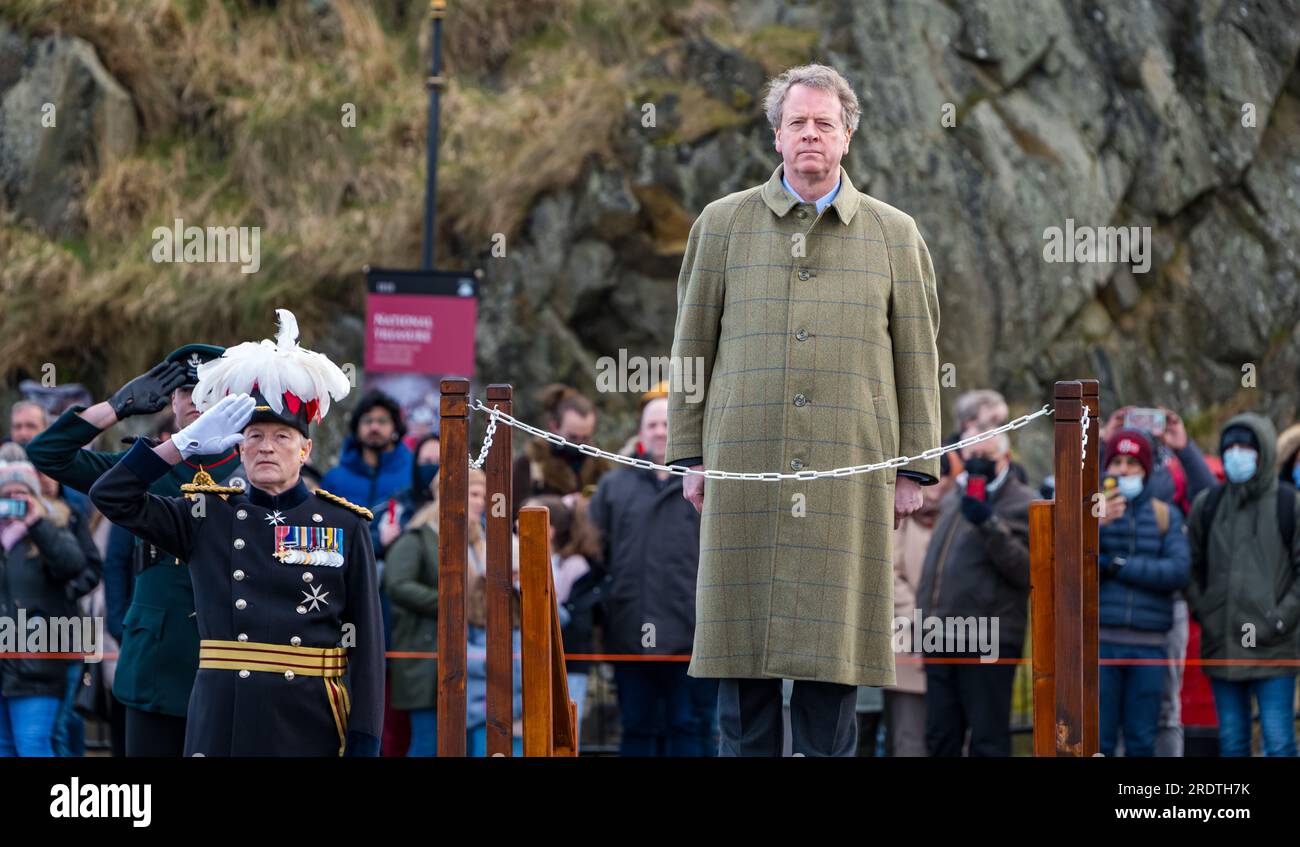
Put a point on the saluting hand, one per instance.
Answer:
(218, 429)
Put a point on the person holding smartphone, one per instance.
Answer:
(40, 557)
(1143, 560)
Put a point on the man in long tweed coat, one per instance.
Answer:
(813, 310)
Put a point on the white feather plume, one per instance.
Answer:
(276, 367)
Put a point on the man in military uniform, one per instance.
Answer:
(291, 651)
(160, 643)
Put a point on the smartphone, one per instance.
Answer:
(976, 487)
(12, 508)
(1150, 420)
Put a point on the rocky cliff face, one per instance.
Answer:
(990, 122)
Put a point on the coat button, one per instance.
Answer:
(307, 577)
(243, 636)
(803, 275)
(288, 674)
(302, 610)
(243, 674)
(241, 603)
(296, 641)
(800, 400)
(796, 464)
(241, 514)
(317, 518)
(239, 575)
(803, 214)
(802, 335)
(239, 544)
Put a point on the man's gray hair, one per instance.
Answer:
(814, 76)
(30, 404)
(970, 404)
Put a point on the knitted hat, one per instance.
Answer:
(1238, 434)
(20, 472)
(1130, 442)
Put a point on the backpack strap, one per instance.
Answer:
(1161, 508)
(1286, 502)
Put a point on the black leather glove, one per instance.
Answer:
(149, 392)
(976, 511)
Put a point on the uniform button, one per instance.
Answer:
(307, 577)
(241, 514)
(243, 674)
(243, 636)
(241, 603)
(796, 464)
(317, 518)
(239, 575)
(802, 335)
(302, 610)
(288, 674)
(800, 400)
(803, 214)
(803, 275)
(296, 641)
(239, 544)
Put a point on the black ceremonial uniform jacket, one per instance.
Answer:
(323, 595)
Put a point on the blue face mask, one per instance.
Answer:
(1130, 486)
(1240, 464)
(427, 472)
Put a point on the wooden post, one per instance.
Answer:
(1090, 654)
(1068, 601)
(534, 579)
(453, 498)
(500, 582)
(1041, 586)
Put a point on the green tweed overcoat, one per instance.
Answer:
(817, 338)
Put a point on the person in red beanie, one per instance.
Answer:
(1143, 559)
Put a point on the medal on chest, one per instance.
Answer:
(309, 545)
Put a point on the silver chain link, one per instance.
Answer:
(677, 470)
(1083, 453)
(487, 439)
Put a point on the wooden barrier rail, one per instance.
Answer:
(548, 730)
(1063, 583)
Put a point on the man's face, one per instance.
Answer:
(376, 429)
(1125, 465)
(990, 416)
(26, 423)
(989, 448)
(654, 428)
(812, 137)
(576, 428)
(183, 409)
(273, 454)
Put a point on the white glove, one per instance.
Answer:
(218, 429)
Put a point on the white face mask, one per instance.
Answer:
(1130, 486)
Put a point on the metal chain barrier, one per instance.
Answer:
(933, 453)
(1083, 454)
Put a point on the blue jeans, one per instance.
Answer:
(578, 694)
(69, 740)
(659, 709)
(26, 725)
(424, 732)
(1130, 697)
(1276, 698)
(476, 743)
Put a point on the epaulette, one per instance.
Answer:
(190, 489)
(334, 498)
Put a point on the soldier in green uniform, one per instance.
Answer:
(160, 644)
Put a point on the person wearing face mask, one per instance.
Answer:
(1244, 591)
(977, 570)
(1143, 558)
(1288, 456)
(546, 468)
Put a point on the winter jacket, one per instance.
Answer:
(1139, 594)
(354, 480)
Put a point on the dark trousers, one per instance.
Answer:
(823, 718)
(658, 706)
(973, 696)
(153, 734)
(1129, 698)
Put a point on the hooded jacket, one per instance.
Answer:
(1243, 589)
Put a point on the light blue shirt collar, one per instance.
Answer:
(821, 203)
